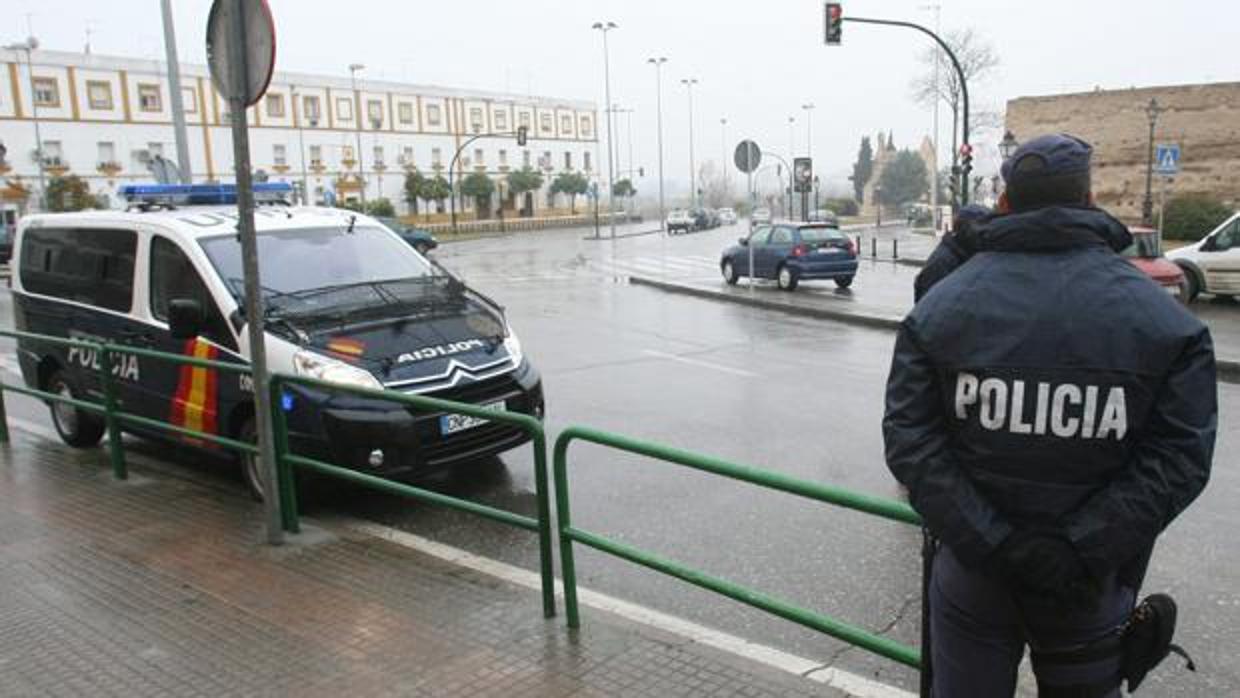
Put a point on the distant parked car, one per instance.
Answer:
(417, 238)
(680, 221)
(701, 219)
(760, 216)
(727, 216)
(792, 252)
(1146, 254)
(824, 215)
(713, 218)
(1212, 265)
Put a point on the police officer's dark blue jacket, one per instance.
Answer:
(1049, 383)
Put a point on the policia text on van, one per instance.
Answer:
(346, 301)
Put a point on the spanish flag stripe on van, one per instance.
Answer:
(195, 403)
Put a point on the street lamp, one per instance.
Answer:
(30, 45)
(611, 158)
(357, 119)
(689, 83)
(809, 118)
(878, 205)
(658, 85)
(377, 124)
(1152, 110)
(1008, 146)
(301, 145)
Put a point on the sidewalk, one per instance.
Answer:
(162, 586)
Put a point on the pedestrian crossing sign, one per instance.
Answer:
(1167, 159)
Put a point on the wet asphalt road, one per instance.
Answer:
(798, 396)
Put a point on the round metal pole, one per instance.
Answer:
(38, 139)
(174, 97)
(611, 156)
(658, 82)
(357, 118)
(301, 141)
(689, 82)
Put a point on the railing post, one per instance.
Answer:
(563, 519)
(874, 247)
(286, 489)
(895, 248)
(4, 417)
(546, 566)
(116, 450)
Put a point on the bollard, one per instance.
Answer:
(116, 450)
(4, 418)
(895, 248)
(874, 248)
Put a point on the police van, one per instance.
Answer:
(346, 300)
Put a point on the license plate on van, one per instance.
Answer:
(453, 423)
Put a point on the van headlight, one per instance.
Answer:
(513, 346)
(319, 367)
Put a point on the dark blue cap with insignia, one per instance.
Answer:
(1047, 156)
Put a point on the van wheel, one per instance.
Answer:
(250, 462)
(1192, 285)
(786, 277)
(77, 427)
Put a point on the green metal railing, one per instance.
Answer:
(530, 425)
(114, 417)
(569, 534)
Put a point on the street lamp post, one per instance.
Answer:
(689, 83)
(606, 27)
(357, 119)
(878, 206)
(377, 124)
(791, 138)
(809, 118)
(1152, 110)
(29, 45)
(658, 84)
(301, 145)
(1007, 147)
(723, 150)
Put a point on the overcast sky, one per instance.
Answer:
(756, 62)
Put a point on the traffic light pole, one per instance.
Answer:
(964, 88)
(452, 168)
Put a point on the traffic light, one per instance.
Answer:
(641, 172)
(834, 23)
(966, 158)
(521, 134)
(952, 191)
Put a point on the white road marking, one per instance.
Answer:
(853, 684)
(699, 363)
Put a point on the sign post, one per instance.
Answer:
(802, 182)
(241, 51)
(747, 157)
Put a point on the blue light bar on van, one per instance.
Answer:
(187, 194)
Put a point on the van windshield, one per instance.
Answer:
(300, 264)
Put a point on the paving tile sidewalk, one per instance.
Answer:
(162, 586)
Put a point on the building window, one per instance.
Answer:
(344, 109)
(585, 161)
(189, 100)
(149, 97)
(545, 123)
(346, 153)
(566, 124)
(545, 161)
(501, 121)
(503, 158)
(278, 154)
(433, 114)
(585, 126)
(405, 111)
(436, 157)
(155, 149)
(406, 156)
(275, 105)
(524, 119)
(46, 92)
(99, 94)
(525, 158)
(374, 113)
(479, 159)
(475, 119)
(568, 160)
(316, 155)
(53, 156)
(378, 153)
(107, 153)
(310, 107)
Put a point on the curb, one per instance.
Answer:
(602, 237)
(889, 323)
(1228, 370)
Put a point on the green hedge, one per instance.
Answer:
(842, 207)
(1191, 217)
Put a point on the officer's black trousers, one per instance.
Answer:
(978, 635)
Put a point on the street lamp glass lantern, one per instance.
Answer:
(1152, 110)
(1008, 145)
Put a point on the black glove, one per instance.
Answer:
(1047, 565)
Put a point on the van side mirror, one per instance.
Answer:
(185, 318)
(743, 240)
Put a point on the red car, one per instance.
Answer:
(1146, 254)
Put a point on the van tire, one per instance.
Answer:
(250, 463)
(76, 427)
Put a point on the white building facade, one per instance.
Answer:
(104, 119)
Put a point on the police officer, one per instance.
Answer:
(953, 250)
(1050, 410)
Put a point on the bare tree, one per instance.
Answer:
(977, 60)
(715, 185)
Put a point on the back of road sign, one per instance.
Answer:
(1167, 158)
(747, 156)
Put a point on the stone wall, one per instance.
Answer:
(1203, 119)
